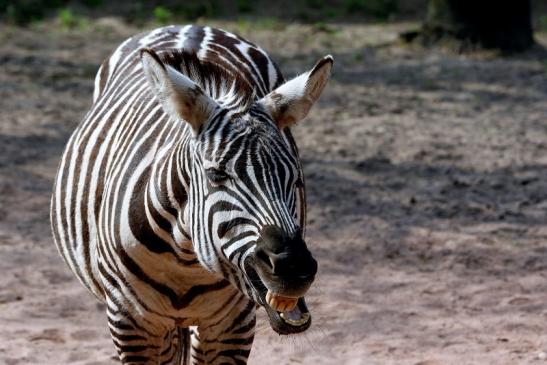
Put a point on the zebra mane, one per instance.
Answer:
(221, 84)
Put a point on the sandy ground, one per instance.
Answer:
(427, 200)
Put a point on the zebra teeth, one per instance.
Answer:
(280, 303)
(304, 318)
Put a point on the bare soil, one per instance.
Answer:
(427, 192)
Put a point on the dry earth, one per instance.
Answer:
(427, 178)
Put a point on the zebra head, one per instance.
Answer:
(246, 202)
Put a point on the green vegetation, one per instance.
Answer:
(167, 11)
(357, 56)
(162, 15)
(542, 23)
(22, 12)
(321, 27)
(67, 18)
(70, 20)
(316, 4)
(193, 11)
(245, 25)
(187, 12)
(244, 6)
(381, 9)
(92, 3)
(25, 12)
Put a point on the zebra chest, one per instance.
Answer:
(173, 289)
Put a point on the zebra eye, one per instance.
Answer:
(299, 183)
(216, 176)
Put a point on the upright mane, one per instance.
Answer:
(218, 82)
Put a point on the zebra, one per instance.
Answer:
(179, 201)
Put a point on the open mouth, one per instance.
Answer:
(287, 315)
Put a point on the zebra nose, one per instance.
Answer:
(299, 266)
(285, 256)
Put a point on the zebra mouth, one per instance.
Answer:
(287, 315)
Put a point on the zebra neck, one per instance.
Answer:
(166, 197)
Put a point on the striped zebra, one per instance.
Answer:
(179, 201)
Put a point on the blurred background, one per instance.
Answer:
(425, 159)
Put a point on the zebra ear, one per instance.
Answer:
(180, 96)
(292, 101)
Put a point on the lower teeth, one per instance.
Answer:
(304, 318)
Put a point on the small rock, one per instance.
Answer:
(9, 297)
(50, 334)
(542, 355)
(428, 362)
(520, 301)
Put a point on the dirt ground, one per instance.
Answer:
(426, 173)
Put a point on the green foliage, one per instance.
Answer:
(244, 6)
(193, 11)
(542, 23)
(23, 12)
(162, 15)
(270, 24)
(316, 4)
(70, 20)
(357, 57)
(92, 3)
(188, 12)
(67, 18)
(324, 28)
(244, 26)
(330, 12)
(316, 10)
(381, 9)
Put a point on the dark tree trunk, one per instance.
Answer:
(493, 24)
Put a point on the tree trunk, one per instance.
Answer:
(494, 24)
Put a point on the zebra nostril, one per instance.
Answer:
(265, 259)
(272, 263)
(275, 263)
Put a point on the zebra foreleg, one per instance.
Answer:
(138, 345)
(227, 341)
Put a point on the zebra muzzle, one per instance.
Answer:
(280, 303)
